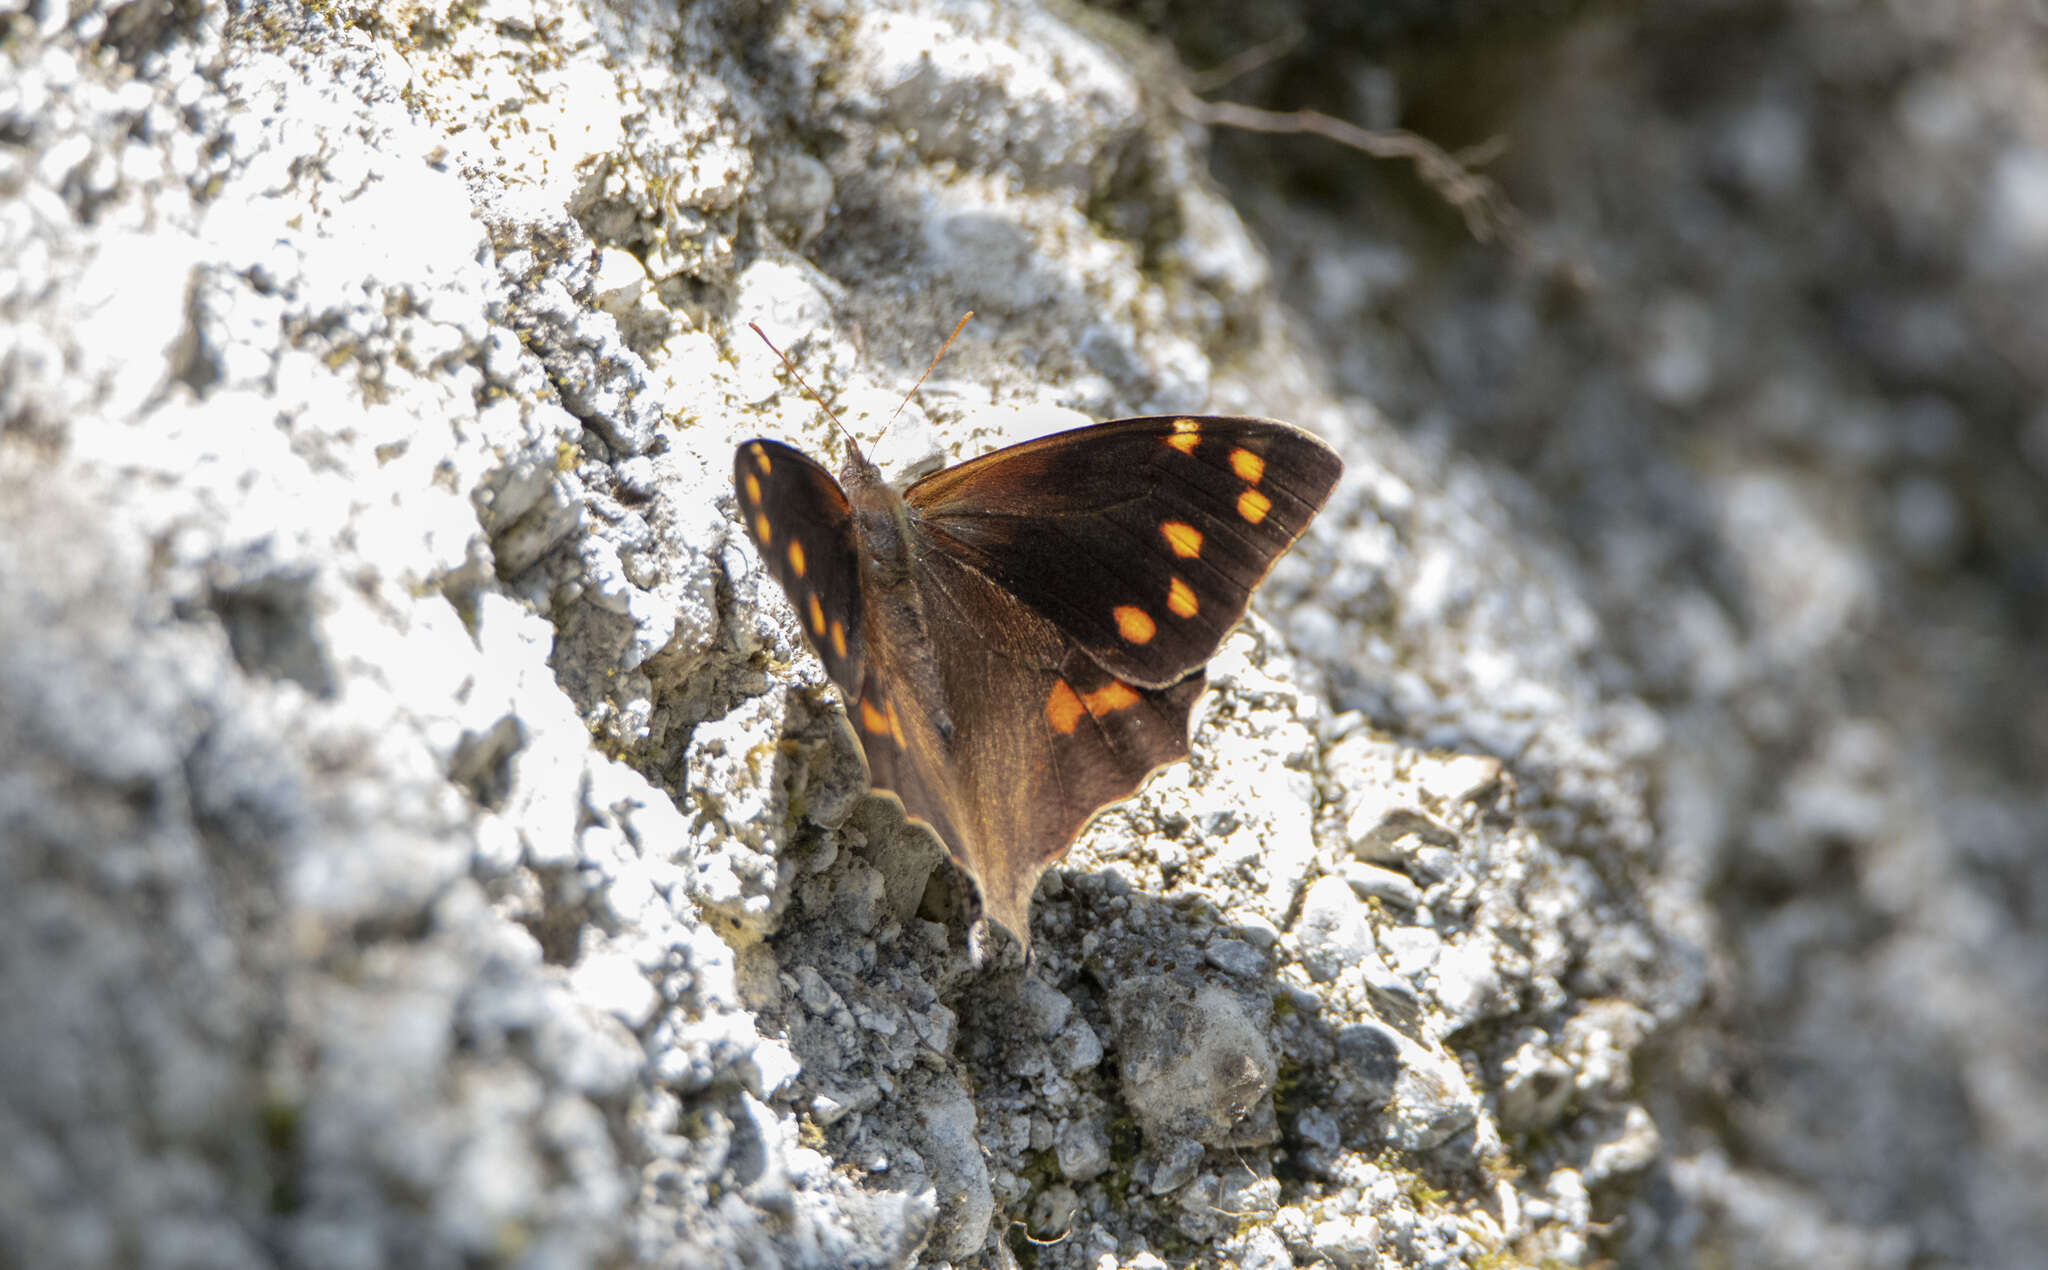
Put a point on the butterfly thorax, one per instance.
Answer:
(881, 521)
(895, 612)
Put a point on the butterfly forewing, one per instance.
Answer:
(801, 524)
(1142, 539)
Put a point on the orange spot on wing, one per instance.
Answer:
(796, 557)
(838, 638)
(871, 719)
(1248, 466)
(753, 488)
(1187, 434)
(761, 459)
(817, 615)
(1063, 709)
(1253, 506)
(1111, 697)
(1183, 538)
(1134, 624)
(1180, 599)
(761, 528)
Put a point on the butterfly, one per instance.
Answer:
(1020, 638)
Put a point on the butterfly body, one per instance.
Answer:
(884, 541)
(1021, 637)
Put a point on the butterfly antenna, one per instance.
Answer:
(958, 327)
(795, 374)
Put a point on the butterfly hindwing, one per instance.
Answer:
(1053, 737)
(1142, 539)
(800, 522)
(917, 777)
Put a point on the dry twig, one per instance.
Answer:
(1488, 213)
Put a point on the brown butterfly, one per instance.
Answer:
(1020, 637)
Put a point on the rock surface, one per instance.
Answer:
(425, 840)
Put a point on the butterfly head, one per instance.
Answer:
(857, 472)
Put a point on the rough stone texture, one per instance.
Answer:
(424, 840)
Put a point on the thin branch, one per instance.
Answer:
(1488, 213)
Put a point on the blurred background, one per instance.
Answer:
(1767, 350)
(423, 843)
